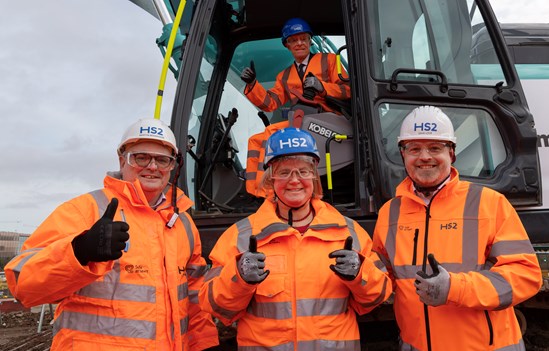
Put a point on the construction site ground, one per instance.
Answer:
(18, 332)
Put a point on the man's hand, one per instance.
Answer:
(252, 263)
(433, 289)
(248, 74)
(347, 261)
(104, 241)
(311, 81)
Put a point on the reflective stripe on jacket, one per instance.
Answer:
(322, 65)
(477, 236)
(148, 299)
(302, 304)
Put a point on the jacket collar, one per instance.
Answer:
(406, 187)
(266, 221)
(133, 192)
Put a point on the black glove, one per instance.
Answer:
(312, 82)
(252, 263)
(104, 241)
(248, 74)
(433, 289)
(347, 261)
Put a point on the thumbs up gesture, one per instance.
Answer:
(433, 289)
(252, 263)
(104, 241)
(312, 82)
(248, 74)
(347, 261)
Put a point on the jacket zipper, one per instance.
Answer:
(490, 328)
(294, 299)
(424, 268)
(414, 258)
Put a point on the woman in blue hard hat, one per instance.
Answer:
(317, 72)
(295, 273)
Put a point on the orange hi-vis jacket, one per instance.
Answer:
(288, 83)
(477, 236)
(302, 304)
(146, 300)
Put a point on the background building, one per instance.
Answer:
(10, 245)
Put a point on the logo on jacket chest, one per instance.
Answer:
(449, 226)
(138, 268)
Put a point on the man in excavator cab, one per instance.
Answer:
(307, 81)
(317, 93)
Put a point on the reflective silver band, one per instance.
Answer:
(97, 324)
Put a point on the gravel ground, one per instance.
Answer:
(18, 332)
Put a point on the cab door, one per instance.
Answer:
(411, 53)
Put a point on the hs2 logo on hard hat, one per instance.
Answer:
(425, 127)
(151, 131)
(293, 142)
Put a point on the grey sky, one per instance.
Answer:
(75, 74)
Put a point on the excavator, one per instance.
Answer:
(398, 55)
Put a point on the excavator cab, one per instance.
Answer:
(398, 55)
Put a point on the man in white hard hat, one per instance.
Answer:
(123, 262)
(481, 262)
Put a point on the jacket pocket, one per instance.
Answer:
(276, 264)
(414, 258)
(271, 286)
(490, 328)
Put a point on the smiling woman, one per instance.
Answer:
(294, 250)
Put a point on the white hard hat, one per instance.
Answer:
(151, 129)
(427, 122)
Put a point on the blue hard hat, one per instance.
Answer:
(295, 26)
(290, 141)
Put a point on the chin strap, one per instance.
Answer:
(179, 164)
(291, 209)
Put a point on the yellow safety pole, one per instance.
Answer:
(337, 137)
(167, 59)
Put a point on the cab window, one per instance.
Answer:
(270, 58)
(432, 36)
(223, 181)
(479, 149)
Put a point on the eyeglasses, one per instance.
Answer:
(144, 159)
(286, 173)
(294, 40)
(433, 149)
